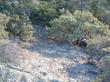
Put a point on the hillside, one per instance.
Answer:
(54, 41)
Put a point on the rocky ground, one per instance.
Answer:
(44, 62)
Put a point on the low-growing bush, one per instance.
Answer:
(20, 26)
(43, 13)
(105, 75)
(98, 46)
(76, 26)
(3, 21)
(103, 15)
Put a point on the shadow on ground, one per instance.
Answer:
(56, 50)
(83, 72)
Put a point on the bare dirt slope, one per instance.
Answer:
(43, 62)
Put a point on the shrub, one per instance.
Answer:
(20, 26)
(26, 32)
(76, 26)
(103, 15)
(101, 10)
(43, 13)
(98, 46)
(105, 75)
(98, 79)
(3, 21)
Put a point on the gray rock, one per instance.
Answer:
(54, 81)
(41, 80)
(23, 79)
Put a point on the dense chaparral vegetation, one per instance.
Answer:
(66, 20)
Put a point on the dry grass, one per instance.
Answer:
(11, 53)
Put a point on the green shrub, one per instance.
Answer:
(103, 15)
(26, 32)
(75, 26)
(98, 79)
(101, 10)
(18, 7)
(43, 13)
(98, 46)
(20, 26)
(3, 21)
(105, 75)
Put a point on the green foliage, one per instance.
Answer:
(24, 8)
(11, 7)
(70, 5)
(20, 26)
(98, 46)
(67, 27)
(101, 9)
(3, 21)
(102, 14)
(43, 13)
(105, 76)
(98, 79)
(76, 26)
(6, 6)
(19, 23)
(94, 6)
